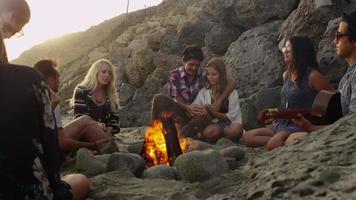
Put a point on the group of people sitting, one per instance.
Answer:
(35, 141)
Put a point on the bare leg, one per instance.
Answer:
(79, 183)
(277, 140)
(86, 128)
(211, 133)
(233, 132)
(295, 137)
(257, 137)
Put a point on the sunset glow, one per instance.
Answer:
(53, 18)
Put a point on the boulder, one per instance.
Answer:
(247, 14)
(194, 33)
(255, 60)
(161, 172)
(133, 162)
(330, 63)
(224, 142)
(126, 93)
(88, 164)
(309, 19)
(169, 41)
(199, 166)
(219, 38)
(250, 107)
(138, 111)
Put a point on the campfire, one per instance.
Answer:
(163, 144)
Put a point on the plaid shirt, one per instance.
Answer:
(180, 86)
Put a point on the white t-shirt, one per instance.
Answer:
(57, 116)
(234, 112)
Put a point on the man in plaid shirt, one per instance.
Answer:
(185, 83)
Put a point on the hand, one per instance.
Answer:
(54, 99)
(215, 107)
(93, 146)
(197, 110)
(102, 126)
(303, 123)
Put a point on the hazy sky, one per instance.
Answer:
(52, 18)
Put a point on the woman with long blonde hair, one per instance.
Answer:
(96, 96)
(226, 122)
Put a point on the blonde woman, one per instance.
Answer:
(96, 96)
(227, 122)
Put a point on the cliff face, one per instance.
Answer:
(146, 44)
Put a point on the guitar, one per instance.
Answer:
(326, 109)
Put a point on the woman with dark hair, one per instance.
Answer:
(302, 81)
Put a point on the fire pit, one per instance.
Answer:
(163, 143)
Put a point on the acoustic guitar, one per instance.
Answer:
(326, 109)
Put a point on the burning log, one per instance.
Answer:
(171, 137)
(162, 143)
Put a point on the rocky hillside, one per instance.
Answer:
(146, 44)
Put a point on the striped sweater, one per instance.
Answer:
(84, 105)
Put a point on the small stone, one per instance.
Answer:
(88, 164)
(131, 161)
(160, 172)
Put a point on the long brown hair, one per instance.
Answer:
(220, 67)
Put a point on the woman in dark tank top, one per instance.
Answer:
(302, 81)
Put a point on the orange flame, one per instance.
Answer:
(155, 144)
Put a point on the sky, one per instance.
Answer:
(53, 18)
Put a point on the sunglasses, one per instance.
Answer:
(339, 35)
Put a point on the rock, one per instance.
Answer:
(256, 12)
(133, 162)
(161, 172)
(169, 41)
(124, 39)
(225, 142)
(250, 107)
(141, 65)
(233, 156)
(233, 152)
(88, 164)
(255, 60)
(138, 111)
(126, 93)
(309, 19)
(135, 148)
(200, 165)
(197, 145)
(219, 38)
(194, 33)
(154, 41)
(248, 14)
(330, 63)
(108, 147)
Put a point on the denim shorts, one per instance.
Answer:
(285, 125)
(224, 124)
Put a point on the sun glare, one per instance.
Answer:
(53, 18)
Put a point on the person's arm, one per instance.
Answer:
(174, 92)
(230, 86)
(318, 82)
(68, 144)
(352, 106)
(234, 113)
(113, 123)
(305, 124)
(80, 103)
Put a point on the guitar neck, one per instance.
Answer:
(291, 113)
